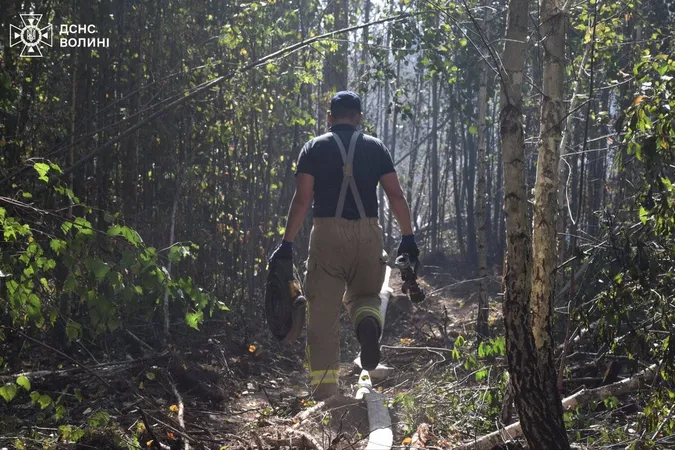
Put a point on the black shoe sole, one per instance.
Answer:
(368, 334)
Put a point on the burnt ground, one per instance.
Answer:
(230, 390)
(216, 389)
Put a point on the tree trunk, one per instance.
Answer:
(413, 155)
(444, 190)
(469, 183)
(385, 135)
(337, 64)
(393, 152)
(565, 175)
(483, 308)
(542, 429)
(498, 213)
(434, 164)
(456, 189)
(365, 35)
(544, 248)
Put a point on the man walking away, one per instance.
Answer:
(346, 263)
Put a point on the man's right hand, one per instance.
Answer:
(409, 246)
(283, 251)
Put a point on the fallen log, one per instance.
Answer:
(582, 397)
(180, 412)
(74, 370)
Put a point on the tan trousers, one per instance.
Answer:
(346, 265)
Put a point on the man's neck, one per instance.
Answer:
(343, 122)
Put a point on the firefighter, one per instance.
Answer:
(340, 170)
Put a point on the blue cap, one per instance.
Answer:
(346, 100)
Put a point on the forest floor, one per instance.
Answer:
(213, 390)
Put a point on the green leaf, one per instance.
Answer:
(42, 169)
(611, 402)
(8, 392)
(460, 341)
(23, 382)
(473, 130)
(83, 226)
(60, 412)
(99, 419)
(463, 42)
(70, 284)
(222, 306)
(128, 233)
(194, 319)
(44, 400)
(66, 226)
(55, 167)
(644, 215)
(73, 330)
(99, 268)
(57, 245)
(178, 252)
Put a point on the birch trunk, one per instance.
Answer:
(544, 248)
(541, 427)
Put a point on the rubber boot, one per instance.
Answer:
(368, 334)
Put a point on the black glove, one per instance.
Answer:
(409, 246)
(283, 252)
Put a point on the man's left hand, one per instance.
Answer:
(409, 246)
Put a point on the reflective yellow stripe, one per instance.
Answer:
(367, 311)
(327, 376)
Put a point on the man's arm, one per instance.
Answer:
(302, 199)
(397, 202)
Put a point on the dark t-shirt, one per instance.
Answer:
(321, 158)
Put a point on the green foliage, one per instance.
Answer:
(632, 314)
(106, 277)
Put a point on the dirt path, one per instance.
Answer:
(342, 423)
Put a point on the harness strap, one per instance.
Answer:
(348, 176)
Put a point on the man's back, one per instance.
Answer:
(321, 158)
